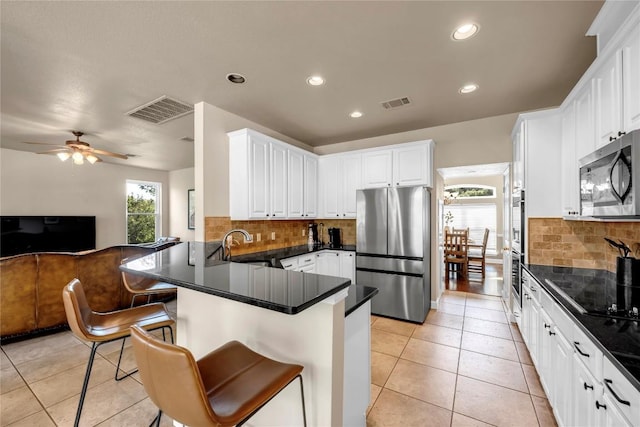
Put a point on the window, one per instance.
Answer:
(470, 191)
(476, 216)
(143, 211)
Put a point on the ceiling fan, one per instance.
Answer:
(78, 150)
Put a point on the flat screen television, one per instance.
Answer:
(26, 234)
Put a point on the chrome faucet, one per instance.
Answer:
(245, 233)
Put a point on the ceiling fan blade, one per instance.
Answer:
(56, 151)
(42, 143)
(109, 153)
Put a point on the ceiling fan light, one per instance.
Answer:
(63, 156)
(77, 157)
(91, 158)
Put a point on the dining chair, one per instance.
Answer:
(144, 286)
(101, 328)
(456, 245)
(477, 253)
(224, 388)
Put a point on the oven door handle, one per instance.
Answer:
(620, 158)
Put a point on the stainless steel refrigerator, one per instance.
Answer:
(393, 250)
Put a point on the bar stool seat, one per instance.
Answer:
(224, 388)
(101, 328)
(144, 286)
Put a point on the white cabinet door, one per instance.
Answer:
(348, 265)
(310, 186)
(609, 414)
(296, 184)
(278, 187)
(351, 168)
(328, 263)
(259, 177)
(330, 186)
(570, 192)
(631, 81)
(585, 133)
(608, 99)
(546, 335)
(376, 169)
(586, 390)
(410, 166)
(518, 157)
(563, 373)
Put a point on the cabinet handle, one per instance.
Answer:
(551, 333)
(267, 214)
(397, 183)
(586, 386)
(533, 289)
(612, 138)
(576, 344)
(389, 184)
(288, 265)
(624, 402)
(547, 326)
(307, 260)
(599, 405)
(620, 133)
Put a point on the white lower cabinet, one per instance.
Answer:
(585, 391)
(327, 262)
(583, 387)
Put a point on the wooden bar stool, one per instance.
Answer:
(101, 328)
(224, 388)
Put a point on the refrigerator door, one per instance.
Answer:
(400, 296)
(371, 221)
(407, 218)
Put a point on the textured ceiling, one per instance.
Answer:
(83, 65)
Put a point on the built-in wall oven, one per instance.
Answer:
(516, 278)
(518, 226)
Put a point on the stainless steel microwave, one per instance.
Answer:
(609, 179)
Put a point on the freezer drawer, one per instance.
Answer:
(390, 264)
(402, 297)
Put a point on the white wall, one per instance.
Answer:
(180, 181)
(32, 184)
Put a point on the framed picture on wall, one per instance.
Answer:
(191, 209)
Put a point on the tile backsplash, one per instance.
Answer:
(554, 241)
(287, 232)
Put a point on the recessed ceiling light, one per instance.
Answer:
(471, 87)
(465, 31)
(315, 80)
(355, 114)
(236, 78)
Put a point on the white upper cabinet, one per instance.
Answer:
(310, 186)
(607, 84)
(585, 134)
(269, 179)
(403, 165)
(377, 169)
(340, 178)
(279, 181)
(412, 165)
(296, 184)
(631, 80)
(569, 179)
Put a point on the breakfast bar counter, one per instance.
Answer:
(289, 316)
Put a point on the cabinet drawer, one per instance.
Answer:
(562, 321)
(305, 260)
(621, 392)
(289, 263)
(587, 351)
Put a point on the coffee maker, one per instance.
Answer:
(334, 237)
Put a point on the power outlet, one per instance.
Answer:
(258, 237)
(273, 235)
(304, 232)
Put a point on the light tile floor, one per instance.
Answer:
(465, 366)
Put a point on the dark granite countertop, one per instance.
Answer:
(275, 289)
(276, 255)
(595, 290)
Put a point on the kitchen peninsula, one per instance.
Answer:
(287, 315)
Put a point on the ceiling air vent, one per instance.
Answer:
(395, 103)
(161, 110)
